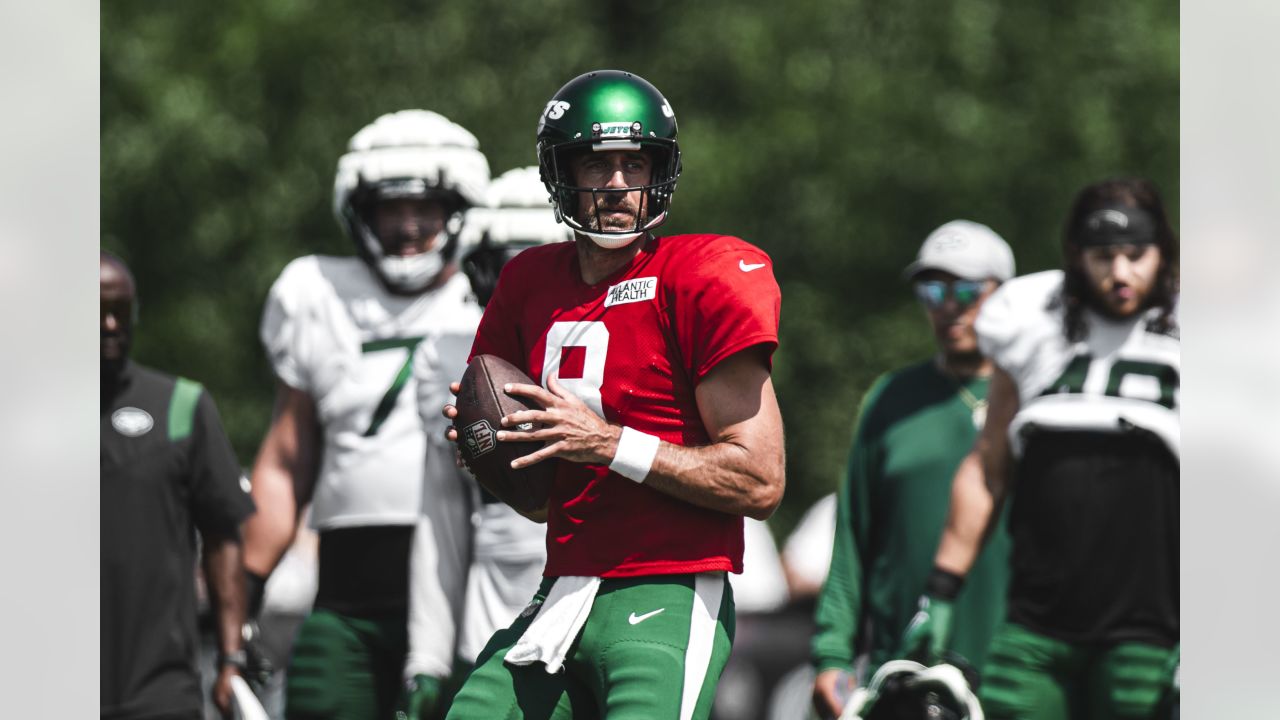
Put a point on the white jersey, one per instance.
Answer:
(1122, 375)
(334, 332)
(807, 551)
(508, 551)
(510, 555)
(762, 586)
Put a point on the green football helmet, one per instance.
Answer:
(608, 110)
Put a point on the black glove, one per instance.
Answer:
(928, 635)
(258, 667)
(419, 698)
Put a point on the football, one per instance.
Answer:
(481, 406)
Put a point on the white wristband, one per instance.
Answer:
(635, 453)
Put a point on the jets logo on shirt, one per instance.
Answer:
(132, 421)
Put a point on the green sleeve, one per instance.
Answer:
(840, 604)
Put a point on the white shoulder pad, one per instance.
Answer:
(1017, 317)
(304, 323)
(280, 331)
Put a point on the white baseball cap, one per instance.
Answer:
(968, 250)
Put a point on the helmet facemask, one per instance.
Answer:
(567, 194)
(412, 273)
(904, 689)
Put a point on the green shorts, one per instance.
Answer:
(346, 668)
(652, 648)
(1033, 677)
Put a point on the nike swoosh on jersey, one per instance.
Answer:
(637, 619)
(744, 267)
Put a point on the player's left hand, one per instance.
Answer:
(928, 635)
(419, 698)
(571, 430)
(451, 412)
(831, 691)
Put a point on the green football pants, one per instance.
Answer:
(652, 648)
(1033, 677)
(346, 668)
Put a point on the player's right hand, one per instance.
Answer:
(831, 691)
(258, 666)
(929, 632)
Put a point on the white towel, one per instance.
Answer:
(244, 704)
(558, 623)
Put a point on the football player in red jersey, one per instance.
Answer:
(653, 358)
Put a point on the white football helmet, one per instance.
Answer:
(517, 215)
(408, 154)
(906, 689)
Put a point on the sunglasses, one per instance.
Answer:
(933, 293)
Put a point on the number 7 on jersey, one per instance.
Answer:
(397, 383)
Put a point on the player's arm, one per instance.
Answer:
(740, 472)
(284, 475)
(981, 483)
(224, 577)
(978, 490)
(838, 617)
(838, 612)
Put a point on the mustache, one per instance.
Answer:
(613, 201)
(603, 210)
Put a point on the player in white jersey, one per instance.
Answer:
(508, 551)
(341, 333)
(1082, 436)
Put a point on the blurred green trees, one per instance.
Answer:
(835, 135)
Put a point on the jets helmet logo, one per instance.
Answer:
(555, 109)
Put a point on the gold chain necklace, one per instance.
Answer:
(977, 406)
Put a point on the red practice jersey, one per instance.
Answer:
(633, 347)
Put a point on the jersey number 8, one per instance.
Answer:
(584, 380)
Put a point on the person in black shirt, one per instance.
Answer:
(167, 470)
